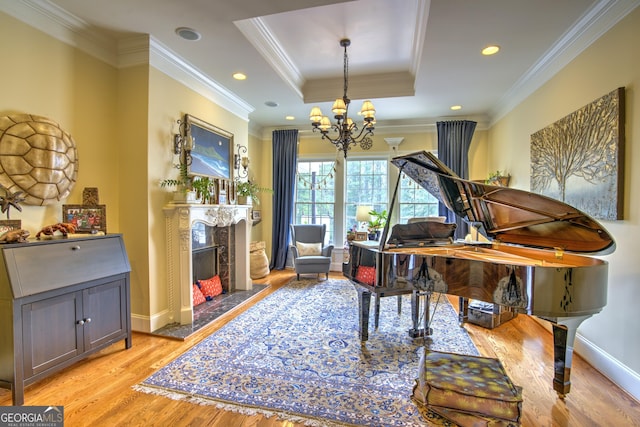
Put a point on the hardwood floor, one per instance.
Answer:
(97, 391)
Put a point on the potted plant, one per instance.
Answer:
(184, 185)
(376, 223)
(247, 192)
(498, 178)
(203, 186)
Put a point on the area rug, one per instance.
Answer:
(297, 354)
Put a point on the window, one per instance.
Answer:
(415, 201)
(366, 183)
(315, 195)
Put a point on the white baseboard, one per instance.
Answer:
(621, 375)
(140, 323)
(148, 324)
(611, 368)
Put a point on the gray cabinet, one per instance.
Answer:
(60, 300)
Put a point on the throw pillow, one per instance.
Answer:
(198, 298)
(309, 249)
(366, 275)
(211, 287)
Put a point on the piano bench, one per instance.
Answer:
(466, 390)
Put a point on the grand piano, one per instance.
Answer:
(532, 257)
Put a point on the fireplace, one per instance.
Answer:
(203, 240)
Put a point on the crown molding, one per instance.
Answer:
(602, 16)
(263, 40)
(419, 35)
(398, 84)
(61, 25)
(174, 66)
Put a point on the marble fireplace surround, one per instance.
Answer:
(233, 252)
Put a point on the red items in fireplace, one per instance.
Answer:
(210, 287)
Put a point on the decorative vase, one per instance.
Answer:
(185, 197)
(244, 200)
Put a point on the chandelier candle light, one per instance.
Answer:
(348, 132)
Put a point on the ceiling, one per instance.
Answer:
(413, 58)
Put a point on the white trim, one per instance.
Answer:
(602, 16)
(621, 375)
(603, 362)
(67, 28)
(140, 323)
(61, 25)
(266, 43)
(175, 67)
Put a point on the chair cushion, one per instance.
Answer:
(313, 260)
(309, 249)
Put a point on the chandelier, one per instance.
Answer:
(348, 133)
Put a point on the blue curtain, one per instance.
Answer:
(454, 139)
(285, 158)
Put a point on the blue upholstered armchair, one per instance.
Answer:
(310, 255)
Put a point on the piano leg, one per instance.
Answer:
(364, 303)
(420, 320)
(564, 335)
(463, 310)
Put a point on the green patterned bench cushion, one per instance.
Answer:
(475, 387)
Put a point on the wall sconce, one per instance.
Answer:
(183, 141)
(240, 160)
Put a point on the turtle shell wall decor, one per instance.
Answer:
(37, 157)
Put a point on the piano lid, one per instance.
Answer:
(507, 214)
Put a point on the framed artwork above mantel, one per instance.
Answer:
(212, 149)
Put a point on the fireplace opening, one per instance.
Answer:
(204, 240)
(205, 263)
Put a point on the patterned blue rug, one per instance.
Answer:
(297, 354)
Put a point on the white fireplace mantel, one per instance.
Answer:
(180, 219)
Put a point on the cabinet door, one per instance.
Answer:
(50, 332)
(104, 313)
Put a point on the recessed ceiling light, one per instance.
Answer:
(271, 104)
(239, 76)
(456, 107)
(188, 33)
(289, 118)
(490, 50)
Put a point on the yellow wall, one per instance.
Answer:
(132, 125)
(611, 62)
(168, 101)
(43, 76)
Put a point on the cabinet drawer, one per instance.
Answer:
(38, 268)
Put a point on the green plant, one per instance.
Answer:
(184, 182)
(203, 187)
(497, 178)
(378, 220)
(251, 189)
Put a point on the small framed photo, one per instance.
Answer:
(86, 218)
(256, 215)
(9, 225)
(361, 235)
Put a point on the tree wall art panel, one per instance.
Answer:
(580, 158)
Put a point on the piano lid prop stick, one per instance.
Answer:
(385, 231)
